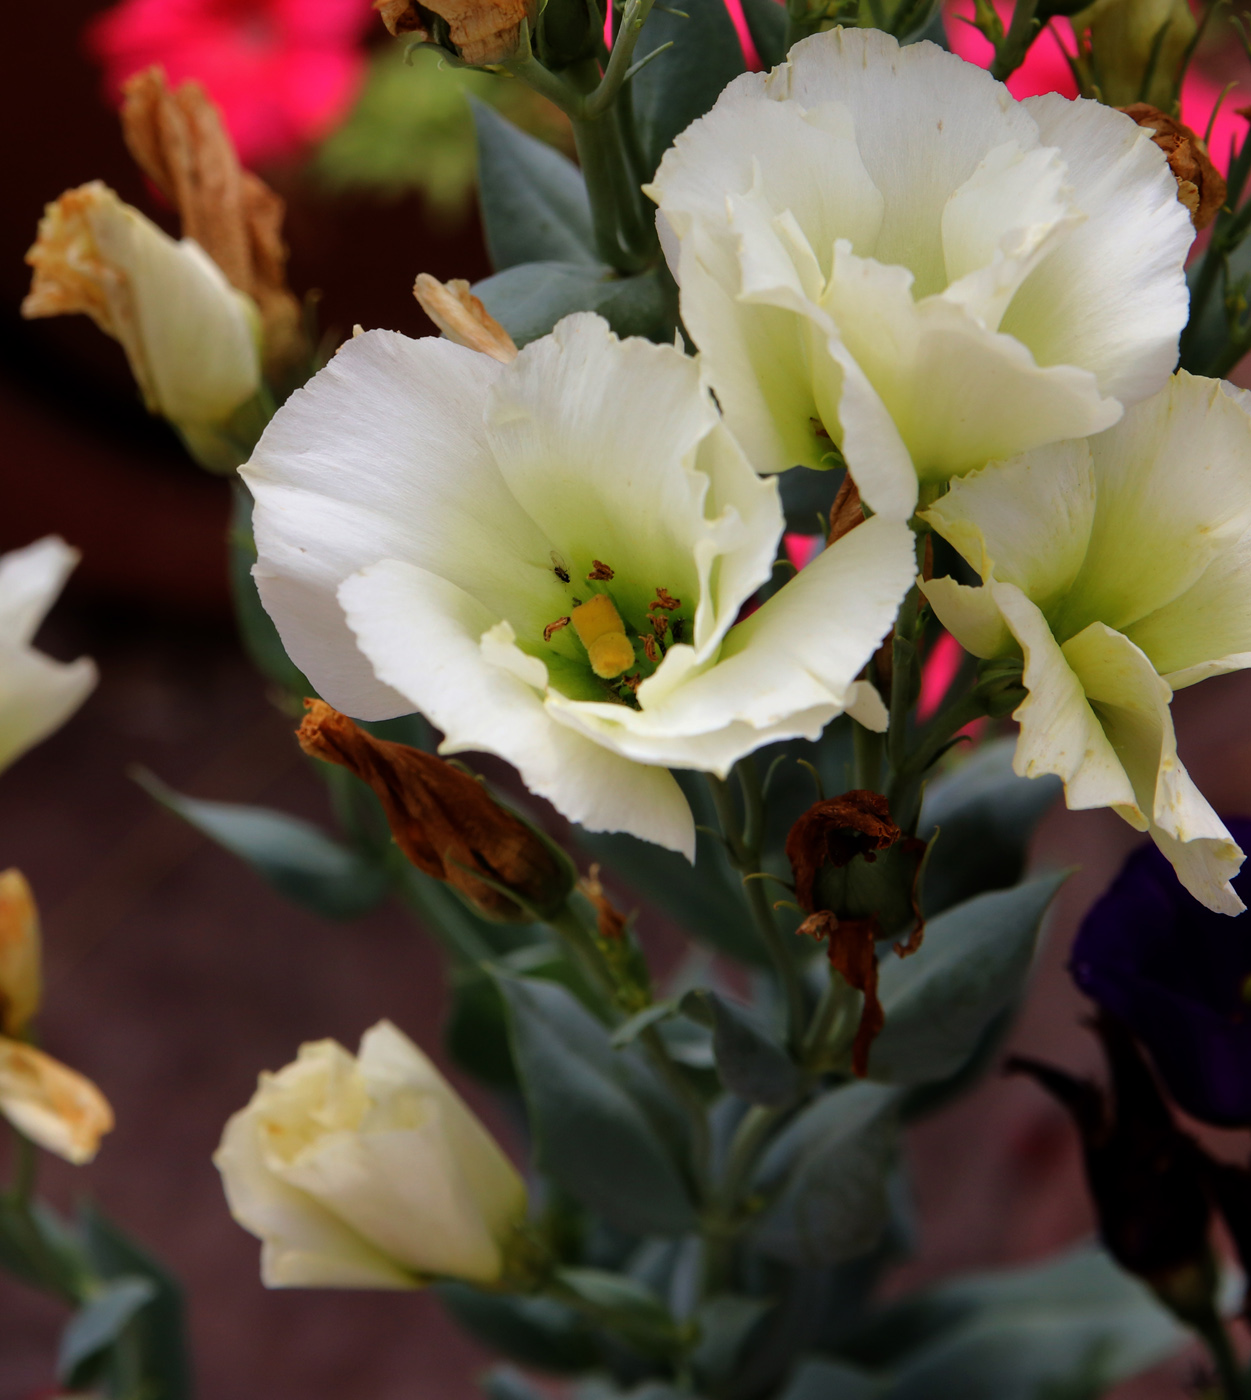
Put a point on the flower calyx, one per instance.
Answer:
(856, 876)
(1200, 185)
(446, 822)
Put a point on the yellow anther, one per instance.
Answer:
(601, 631)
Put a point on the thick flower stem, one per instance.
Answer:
(1010, 53)
(624, 237)
(744, 844)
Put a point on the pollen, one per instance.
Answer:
(649, 649)
(665, 600)
(600, 572)
(601, 631)
(554, 627)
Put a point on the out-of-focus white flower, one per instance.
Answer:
(879, 248)
(53, 1105)
(1120, 569)
(368, 1172)
(191, 339)
(547, 558)
(37, 694)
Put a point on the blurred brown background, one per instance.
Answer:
(174, 974)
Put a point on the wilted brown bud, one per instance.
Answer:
(462, 317)
(834, 832)
(177, 138)
(444, 821)
(21, 983)
(1200, 185)
(846, 512)
(1147, 1178)
(852, 948)
(481, 32)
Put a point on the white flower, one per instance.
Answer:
(368, 1172)
(426, 522)
(1120, 569)
(879, 247)
(37, 694)
(190, 337)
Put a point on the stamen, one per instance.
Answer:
(666, 600)
(660, 624)
(553, 627)
(601, 572)
(649, 649)
(602, 632)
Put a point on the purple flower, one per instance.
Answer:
(1180, 977)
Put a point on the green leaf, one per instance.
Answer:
(725, 1321)
(1076, 1322)
(766, 23)
(604, 1127)
(36, 1247)
(624, 1306)
(528, 299)
(534, 203)
(971, 968)
(829, 1169)
(985, 816)
(537, 1332)
(99, 1323)
(818, 1378)
(751, 1062)
(629, 1031)
(256, 630)
(682, 83)
(158, 1328)
(507, 1383)
(293, 855)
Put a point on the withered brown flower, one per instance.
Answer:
(444, 821)
(482, 32)
(1200, 185)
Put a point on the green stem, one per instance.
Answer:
(25, 1169)
(624, 237)
(1021, 33)
(746, 860)
(866, 748)
(1216, 1337)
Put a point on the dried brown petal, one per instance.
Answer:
(462, 317)
(443, 820)
(177, 137)
(402, 17)
(610, 922)
(852, 948)
(846, 512)
(483, 32)
(1200, 186)
(834, 832)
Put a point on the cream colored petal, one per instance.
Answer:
(960, 395)
(1173, 482)
(53, 1105)
(37, 696)
(1029, 520)
(31, 580)
(21, 978)
(971, 615)
(1111, 297)
(1060, 733)
(304, 1244)
(1132, 703)
(422, 635)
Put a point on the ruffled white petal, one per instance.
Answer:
(1112, 295)
(971, 615)
(422, 636)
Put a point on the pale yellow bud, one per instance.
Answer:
(20, 978)
(1118, 39)
(53, 1105)
(462, 317)
(368, 1171)
(190, 337)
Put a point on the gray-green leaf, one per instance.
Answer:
(529, 298)
(100, 1322)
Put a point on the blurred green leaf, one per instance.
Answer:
(625, 1307)
(750, 1060)
(99, 1324)
(985, 816)
(295, 857)
(256, 631)
(683, 82)
(533, 199)
(971, 968)
(159, 1326)
(827, 1173)
(818, 1378)
(528, 299)
(36, 1247)
(604, 1127)
(725, 1323)
(507, 1383)
(537, 1332)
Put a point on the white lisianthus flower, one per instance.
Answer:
(1119, 569)
(191, 339)
(547, 558)
(368, 1171)
(878, 247)
(37, 694)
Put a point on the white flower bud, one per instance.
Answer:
(368, 1172)
(190, 337)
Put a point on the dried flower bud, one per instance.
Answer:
(1200, 185)
(462, 317)
(1147, 1178)
(834, 833)
(177, 137)
(21, 983)
(480, 32)
(53, 1105)
(444, 821)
